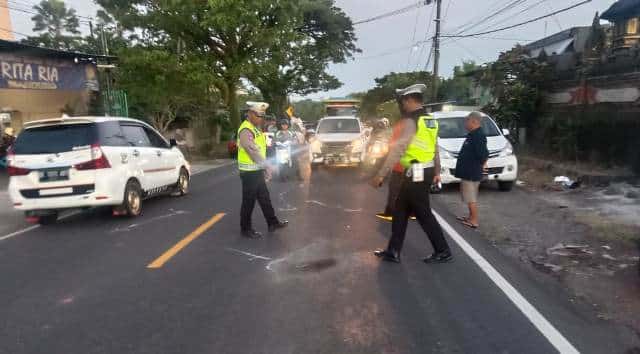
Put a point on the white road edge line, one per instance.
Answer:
(33, 227)
(537, 319)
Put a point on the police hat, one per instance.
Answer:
(411, 90)
(260, 108)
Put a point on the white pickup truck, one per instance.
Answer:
(339, 140)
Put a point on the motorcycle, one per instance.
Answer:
(284, 159)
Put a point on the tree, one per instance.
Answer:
(230, 34)
(298, 62)
(458, 87)
(385, 89)
(57, 26)
(515, 82)
(309, 110)
(160, 85)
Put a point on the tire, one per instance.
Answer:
(48, 219)
(182, 186)
(505, 186)
(132, 204)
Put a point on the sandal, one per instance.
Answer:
(462, 218)
(469, 225)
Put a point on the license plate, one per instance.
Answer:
(53, 175)
(56, 191)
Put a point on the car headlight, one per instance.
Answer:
(356, 146)
(379, 149)
(316, 145)
(507, 151)
(445, 154)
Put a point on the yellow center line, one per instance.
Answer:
(165, 257)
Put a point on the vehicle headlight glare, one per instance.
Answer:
(316, 145)
(507, 151)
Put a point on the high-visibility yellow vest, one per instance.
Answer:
(424, 144)
(245, 163)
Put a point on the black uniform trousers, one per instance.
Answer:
(414, 197)
(395, 182)
(254, 187)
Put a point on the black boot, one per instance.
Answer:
(388, 255)
(278, 225)
(442, 257)
(251, 233)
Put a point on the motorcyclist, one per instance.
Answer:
(284, 134)
(6, 141)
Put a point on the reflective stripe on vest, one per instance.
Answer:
(245, 163)
(423, 146)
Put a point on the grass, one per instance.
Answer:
(607, 230)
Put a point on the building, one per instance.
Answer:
(569, 41)
(5, 22)
(625, 16)
(37, 83)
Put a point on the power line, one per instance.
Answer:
(413, 38)
(527, 9)
(392, 13)
(555, 19)
(426, 37)
(518, 24)
(504, 9)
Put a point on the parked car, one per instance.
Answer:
(502, 164)
(232, 146)
(83, 162)
(339, 140)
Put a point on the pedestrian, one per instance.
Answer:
(472, 161)
(254, 171)
(417, 151)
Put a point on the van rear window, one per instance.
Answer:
(55, 139)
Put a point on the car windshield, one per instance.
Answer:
(338, 126)
(453, 128)
(55, 139)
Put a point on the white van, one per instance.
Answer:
(502, 164)
(339, 140)
(82, 162)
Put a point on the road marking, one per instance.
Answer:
(537, 319)
(165, 257)
(33, 227)
(251, 255)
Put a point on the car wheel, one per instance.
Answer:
(48, 219)
(182, 186)
(505, 186)
(132, 204)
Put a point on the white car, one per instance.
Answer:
(339, 140)
(502, 164)
(83, 162)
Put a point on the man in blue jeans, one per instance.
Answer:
(470, 166)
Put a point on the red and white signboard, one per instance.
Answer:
(592, 95)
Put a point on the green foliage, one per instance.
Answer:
(57, 26)
(161, 85)
(458, 87)
(515, 81)
(320, 33)
(309, 110)
(385, 89)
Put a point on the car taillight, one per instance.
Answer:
(98, 160)
(13, 170)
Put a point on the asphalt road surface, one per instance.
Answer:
(180, 279)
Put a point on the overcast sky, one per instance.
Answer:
(386, 44)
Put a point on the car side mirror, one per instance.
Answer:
(505, 132)
(173, 142)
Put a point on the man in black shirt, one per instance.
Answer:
(470, 165)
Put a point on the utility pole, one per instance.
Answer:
(436, 50)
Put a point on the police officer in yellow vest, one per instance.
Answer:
(254, 170)
(417, 151)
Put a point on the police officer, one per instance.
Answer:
(254, 170)
(417, 151)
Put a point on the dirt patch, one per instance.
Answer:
(584, 238)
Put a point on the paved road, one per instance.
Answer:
(84, 285)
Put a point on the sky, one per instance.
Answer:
(388, 45)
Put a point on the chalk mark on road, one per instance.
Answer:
(251, 256)
(151, 220)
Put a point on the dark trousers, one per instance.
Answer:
(254, 188)
(414, 197)
(395, 182)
